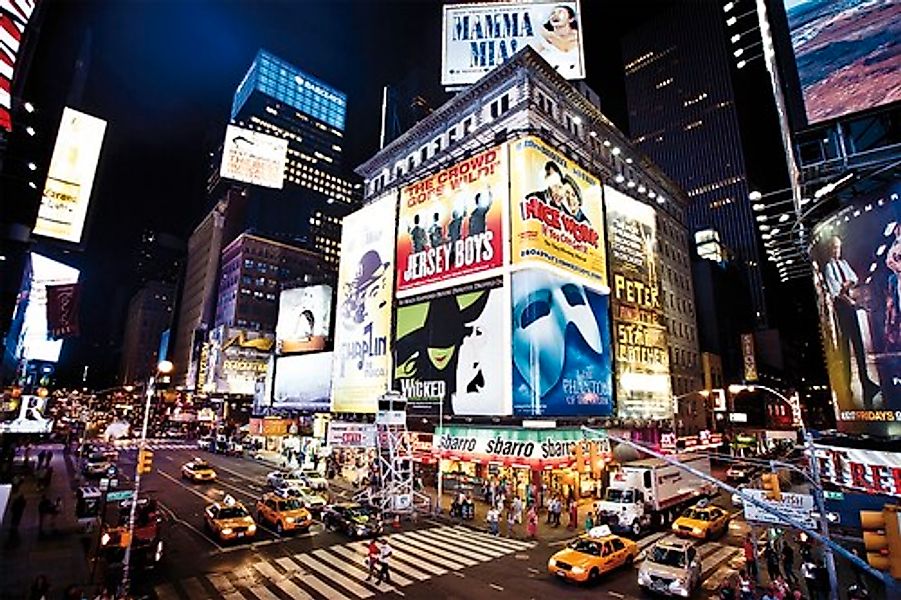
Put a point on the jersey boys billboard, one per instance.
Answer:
(363, 325)
(562, 362)
(448, 348)
(480, 36)
(642, 357)
(450, 223)
(556, 212)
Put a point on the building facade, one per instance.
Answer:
(682, 115)
(149, 315)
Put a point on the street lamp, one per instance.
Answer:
(814, 479)
(163, 368)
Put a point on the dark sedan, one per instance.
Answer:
(355, 520)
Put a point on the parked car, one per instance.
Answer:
(672, 567)
(354, 519)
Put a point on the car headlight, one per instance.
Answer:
(104, 539)
(227, 531)
(251, 528)
(644, 578)
(679, 586)
(552, 562)
(696, 530)
(578, 570)
(361, 530)
(675, 527)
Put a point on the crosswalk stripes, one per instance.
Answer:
(339, 572)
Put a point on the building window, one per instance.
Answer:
(467, 126)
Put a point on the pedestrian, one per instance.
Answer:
(809, 574)
(788, 563)
(822, 577)
(384, 559)
(40, 589)
(745, 586)
(517, 510)
(46, 477)
(372, 559)
(772, 562)
(47, 456)
(45, 507)
(532, 527)
(573, 515)
(16, 510)
(589, 522)
(511, 521)
(493, 519)
(558, 509)
(750, 557)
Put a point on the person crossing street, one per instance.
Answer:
(384, 562)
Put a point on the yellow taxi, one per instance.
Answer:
(285, 513)
(592, 555)
(198, 470)
(702, 521)
(229, 520)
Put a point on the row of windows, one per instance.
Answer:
(258, 294)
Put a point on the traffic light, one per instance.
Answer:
(770, 483)
(882, 538)
(145, 461)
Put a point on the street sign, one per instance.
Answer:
(119, 495)
(830, 495)
(796, 506)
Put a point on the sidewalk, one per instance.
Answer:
(60, 553)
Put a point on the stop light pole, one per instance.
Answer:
(163, 368)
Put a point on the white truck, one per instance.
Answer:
(650, 493)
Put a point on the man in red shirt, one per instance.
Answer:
(372, 559)
(751, 557)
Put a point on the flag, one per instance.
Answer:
(62, 310)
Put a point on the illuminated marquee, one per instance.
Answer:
(14, 16)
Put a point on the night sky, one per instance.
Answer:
(163, 73)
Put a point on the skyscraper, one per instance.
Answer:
(682, 114)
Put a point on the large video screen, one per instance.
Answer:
(67, 192)
(36, 342)
(856, 257)
(303, 382)
(847, 53)
(642, 355)
(481, 36)
(254, 157)
(304, 319)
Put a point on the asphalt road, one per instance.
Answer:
(431, 559)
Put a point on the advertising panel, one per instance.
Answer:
(479, 37)
(235, 360)
(447, 347)
(31, 417)
(254, 157)
(351, 435)
(562, 363)
(642, 356)
(67, 192)
(37, 344)
(362, 369)
(749, 357)
(14, 17)
(847, 54)
(874, 471)
(303, 382)
(304, 319)
(556, 211)
(62, 310)
(450, 222)
(856, 256)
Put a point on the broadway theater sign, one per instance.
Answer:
(874, 471)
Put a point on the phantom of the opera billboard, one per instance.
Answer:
(639, 329)
(480, 36)
(447, 351)
(856, 256)
(362, 367)
(450, 223)
(304, 319)
(556, 212)
(562, 363)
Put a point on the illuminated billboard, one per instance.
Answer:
(639, 328)
(36, 342)
(450, 223)
(447, 350)
(303, 382)
(14, 17)
(304, 319)
(67, 192)
(556, 214)
(362, 369)
(856, 257)
(562, 363)
(481, 36)
(847, 54)
(254, 157)
(31, 417)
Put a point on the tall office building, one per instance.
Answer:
(149, 315)
(682, 115)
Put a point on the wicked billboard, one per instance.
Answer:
(450, 222)
(856, 257)
(562, 363)
(446, 351)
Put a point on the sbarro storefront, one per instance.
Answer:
(528, 462)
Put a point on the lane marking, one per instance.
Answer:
(166, 591)
(454, 547)
(534, 571)
(308, 579)
(224, 586)
(262, 593)
(616, 594)
(514, 545)
(191, 527)
(495, 586)
(195, 589)
(333, 575)
(281, 582)
(483, 546)
(434, 553)
(402, 555)
(358, 559)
